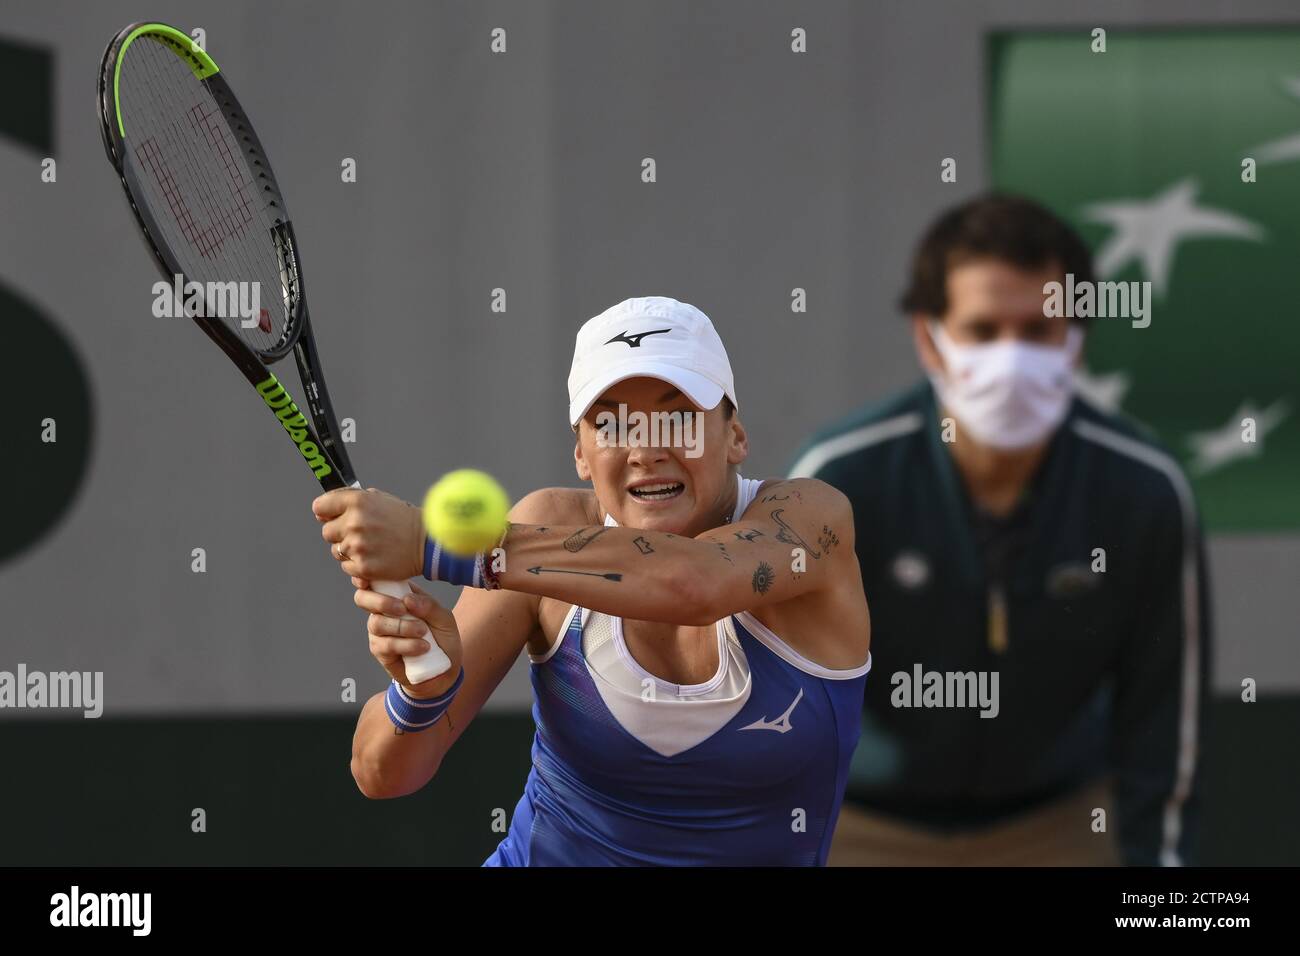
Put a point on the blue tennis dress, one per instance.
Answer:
(746, 769)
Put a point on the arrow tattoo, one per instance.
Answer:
(608, 575)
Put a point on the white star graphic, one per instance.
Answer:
(1287, 148)
(1106, 390)
(1219, 446)
(1150, 230)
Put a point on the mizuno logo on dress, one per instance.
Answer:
(634, 341)
(782, 724)
(278, 400)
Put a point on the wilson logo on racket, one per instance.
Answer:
(278, 400)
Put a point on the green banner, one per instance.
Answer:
(1144, 148)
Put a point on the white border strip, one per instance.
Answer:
(761, 633)
(821, 454)
(564, 629)
(1187, 742)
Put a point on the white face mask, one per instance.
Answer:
(1006, 394)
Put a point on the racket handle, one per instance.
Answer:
(421, 667)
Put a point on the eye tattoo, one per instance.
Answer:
(763, 577)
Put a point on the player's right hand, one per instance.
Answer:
(393, 636)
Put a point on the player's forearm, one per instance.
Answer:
(628, 572)
(388, 764)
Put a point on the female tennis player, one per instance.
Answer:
(699, 640)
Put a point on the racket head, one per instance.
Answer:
(193, 117)
(201, 187)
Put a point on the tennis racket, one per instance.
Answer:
(212, 213)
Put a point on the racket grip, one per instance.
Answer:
(421, 667)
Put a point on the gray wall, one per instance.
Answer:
(477, 171)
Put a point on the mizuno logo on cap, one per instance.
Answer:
(634, 341)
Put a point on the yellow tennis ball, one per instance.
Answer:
(465, 511)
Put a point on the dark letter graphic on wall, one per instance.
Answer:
(43, 378)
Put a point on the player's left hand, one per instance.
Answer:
(372, 534)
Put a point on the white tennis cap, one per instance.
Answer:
(656, 337)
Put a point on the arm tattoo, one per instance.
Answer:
(643, 546)
(399, 732)
(773, 485)
(722, 550)
(580, 539)
(763, 577)
(748, 535)
(607, 575)
(788, 535)
(827, 539)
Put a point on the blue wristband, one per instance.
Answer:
(411, 715)
(441, 566)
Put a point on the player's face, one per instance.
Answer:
(989, 301)
(675, 474)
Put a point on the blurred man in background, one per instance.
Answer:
(1036, 576)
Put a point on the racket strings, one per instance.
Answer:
(204, 194)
